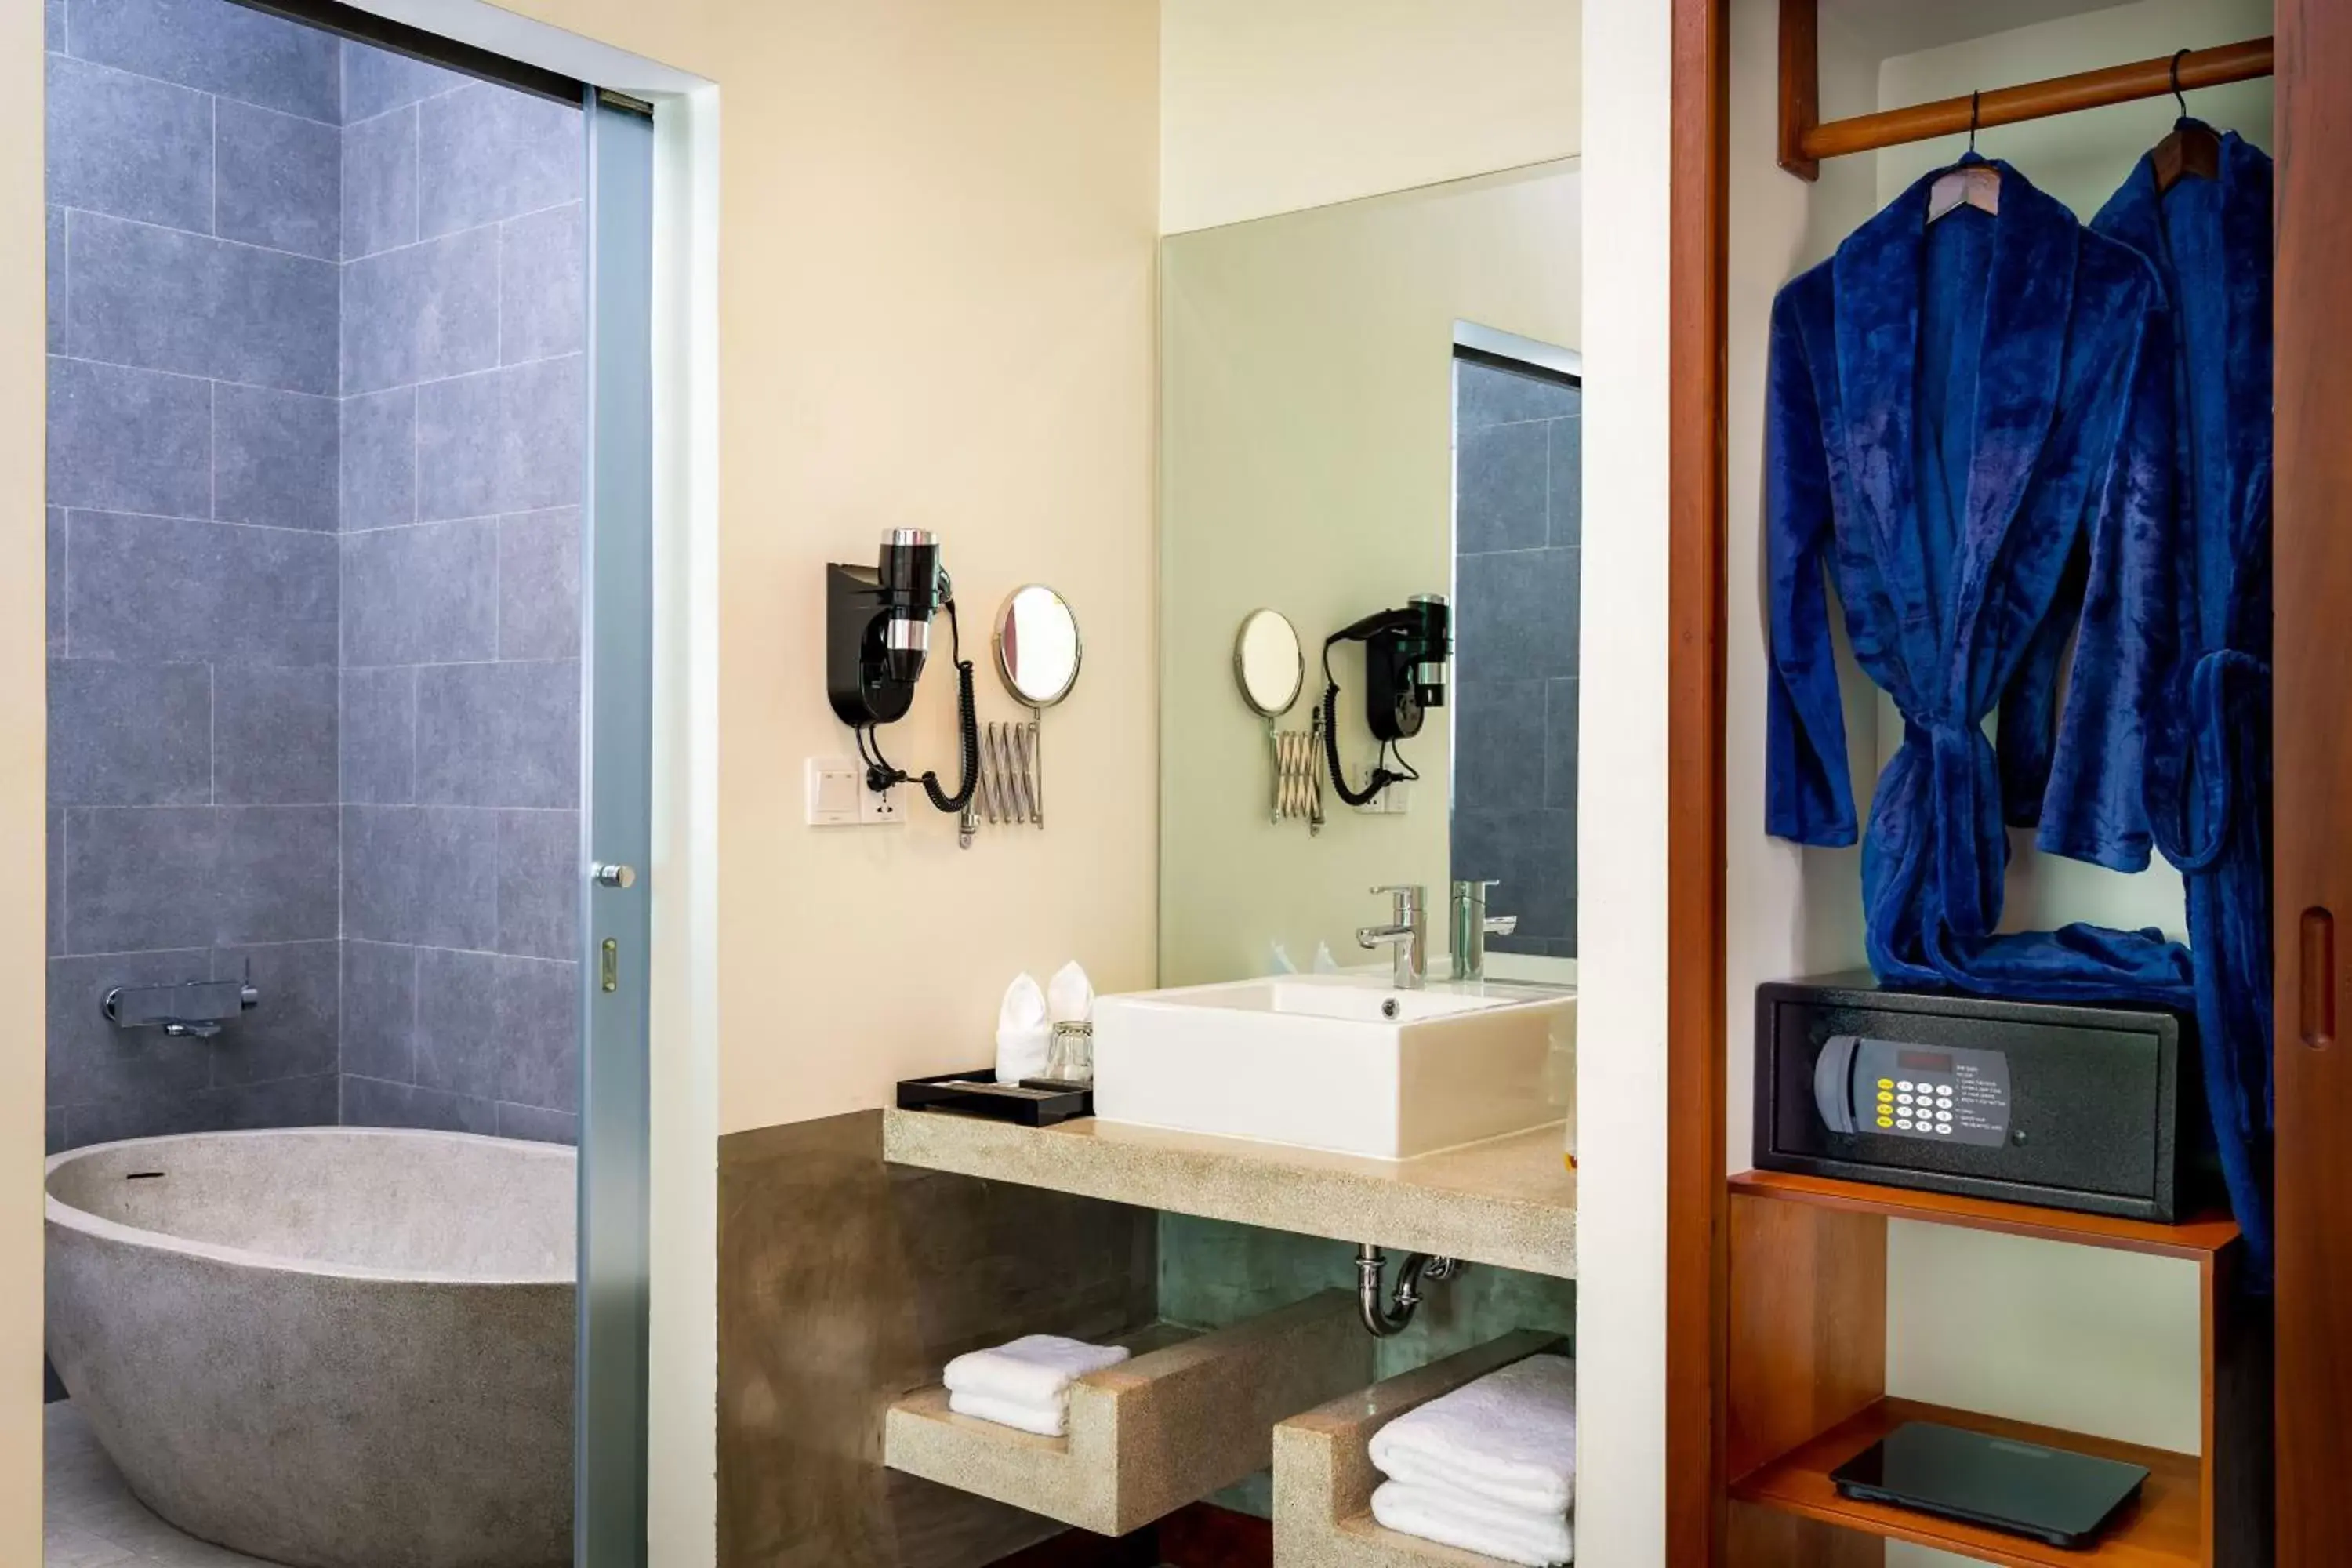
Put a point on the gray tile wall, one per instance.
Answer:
(459, 492)
(315, 323)
(194, 210)
(1517, 559)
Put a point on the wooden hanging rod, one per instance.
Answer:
(1804, 142)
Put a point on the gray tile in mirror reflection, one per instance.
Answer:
(55, 823)
(151, 877)
(370, 1102)
(486, 152)
(129, 734)
(426, 874)
(427, 593)
(279, 181)
(1489, 394)
(379, 459)
(129, 146)
(1498, 744)
(377, 730)
(421, 312)
(1560, 742)
(502, 442)
(164, 589)
(499, 734)
(273, 736)
(123, 439)
(538, 883)
(1532, 853)
(379, 1010)
(1517, 616)
(539, 584)
(1499, 499)
(54, 548)
(274, 459)
(379, 184)
(237, 53)
(1566, 483)
(542, 285)
(291, 1033)
(166, 301)
(376, 80)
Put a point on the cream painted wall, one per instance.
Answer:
(935, 275)
(1622, 962)
(1306, 465)
(1273, 108)
(2085, 1340)
(23, 776)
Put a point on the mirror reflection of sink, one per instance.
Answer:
(1342, 1062)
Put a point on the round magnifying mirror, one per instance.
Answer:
(1037, 648)
(1268, 663)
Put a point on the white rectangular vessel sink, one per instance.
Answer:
(1342, 1062)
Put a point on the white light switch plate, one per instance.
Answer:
(837, 795)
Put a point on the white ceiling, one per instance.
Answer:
(1900, 26)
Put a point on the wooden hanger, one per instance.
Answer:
(2191, 149)
(1972, 184)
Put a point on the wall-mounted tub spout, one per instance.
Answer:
(195, 1009)
(1380, 1320)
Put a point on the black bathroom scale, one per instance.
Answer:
(2001, 1483)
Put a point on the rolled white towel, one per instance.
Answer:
(1036, 1370)
(1510, 1438)
(1535, 1540)
(1046, 1420)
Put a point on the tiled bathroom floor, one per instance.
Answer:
(91, 1520)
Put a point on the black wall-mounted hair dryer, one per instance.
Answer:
(878, 632)
(1406, 652)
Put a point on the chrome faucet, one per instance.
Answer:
(1407, 935)
(1472, 927)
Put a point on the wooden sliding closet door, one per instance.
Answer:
(2311, 723)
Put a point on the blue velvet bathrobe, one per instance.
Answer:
(2209, 756)
(1969, 423)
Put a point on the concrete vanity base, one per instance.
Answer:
(1155, 1432)
(1324, 1478)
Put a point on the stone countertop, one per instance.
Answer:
(1508, 1202)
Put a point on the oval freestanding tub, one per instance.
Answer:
(332, 1347)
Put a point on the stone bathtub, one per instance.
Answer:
(337, 1348)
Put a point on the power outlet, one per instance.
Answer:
(877, 809)
(1394, 801)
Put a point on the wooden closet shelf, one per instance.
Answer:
(2161, 1530)
(2195, 1239)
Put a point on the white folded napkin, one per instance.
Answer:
(1508, 1439)
(1535, 1540)
(1282, 961)
(1022, 1036)
(1036, 1370)
(1070, 995)
(1324, 963)
(1046, 1421)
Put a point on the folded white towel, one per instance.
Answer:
(1070, 995)
(1046, 1420)
(1036, 1370)
(1536, 1540)
(1510, 1438)
(1022, 1036)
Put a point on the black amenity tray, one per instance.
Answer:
(1033, 1102)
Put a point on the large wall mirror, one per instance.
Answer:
(1365, 407)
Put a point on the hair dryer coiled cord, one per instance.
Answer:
(879, 773)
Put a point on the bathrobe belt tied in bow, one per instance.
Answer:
(1971, 422)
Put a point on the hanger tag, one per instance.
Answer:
(1977, 185)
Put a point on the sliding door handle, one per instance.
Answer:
(608, 875)
(2318, 978)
